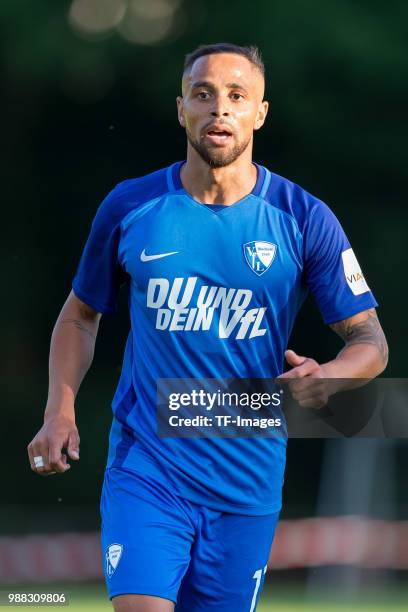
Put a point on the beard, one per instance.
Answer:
(214, 157)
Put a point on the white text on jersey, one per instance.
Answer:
(175, 312)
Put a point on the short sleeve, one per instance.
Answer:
(99, 273)
(332, 272)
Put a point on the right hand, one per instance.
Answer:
(57, 433)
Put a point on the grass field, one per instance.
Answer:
(93, 599)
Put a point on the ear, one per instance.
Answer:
(261, 114)
(180, 111)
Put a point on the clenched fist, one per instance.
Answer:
(58, 433)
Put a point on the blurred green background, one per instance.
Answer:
(88, 99)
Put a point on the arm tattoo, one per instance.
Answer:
(368, 331)
(79, 325)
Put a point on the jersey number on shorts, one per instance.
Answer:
(258, 577)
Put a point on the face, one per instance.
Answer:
(221, 106)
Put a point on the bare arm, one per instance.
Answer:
(363, 357)
(365, 354)
(71, 354)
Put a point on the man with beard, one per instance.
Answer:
(218, 254)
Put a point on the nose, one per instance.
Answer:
(220, 108)
(216, 113)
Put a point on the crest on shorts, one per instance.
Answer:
(259, 255)
(112, 558)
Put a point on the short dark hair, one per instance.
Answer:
(251, 53)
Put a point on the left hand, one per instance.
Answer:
(306, 381)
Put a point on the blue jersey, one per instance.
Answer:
(213, 293)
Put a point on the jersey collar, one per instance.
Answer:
(260, 187)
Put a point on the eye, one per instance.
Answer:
(203, 95)
(237, 96)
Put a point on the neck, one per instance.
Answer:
(224, 185)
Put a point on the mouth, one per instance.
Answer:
(218, 135)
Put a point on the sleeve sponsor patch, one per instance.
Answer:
(353, 273)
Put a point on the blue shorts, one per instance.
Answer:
(155, 543)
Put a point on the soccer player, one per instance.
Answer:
(218, 254)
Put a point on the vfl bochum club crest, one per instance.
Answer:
(112, 558)
(259, 255)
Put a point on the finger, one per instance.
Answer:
(73, 445)
(308, 385)
(293, 358)
(45, 473)
(299, 372)
(287, 376)
(58, 461)
(316, 402)
(307, 368)
(30, 456)
(308, 395)
(39, 449)
(308, 388)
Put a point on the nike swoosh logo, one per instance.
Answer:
(144, 257)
